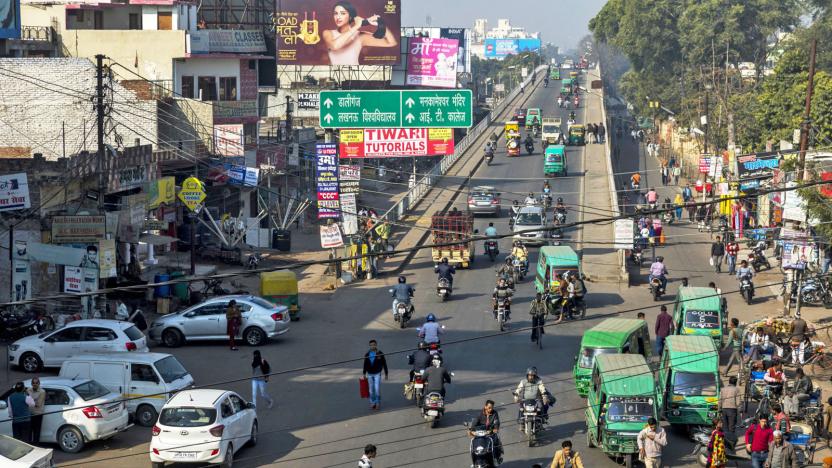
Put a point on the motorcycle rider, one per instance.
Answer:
(431, 330)
(520, 252)
(745, 271)
(489, 148)
(402, 292)
(491, 231)
(446, 271)
(489, 420)
(501, 292)
(546, 187)
(532, 388)
(635, 181)
(436, 376)
(560, 101)
(572, 116)
(420, 359)
(658, 270)
(539, 310)
(560, 208)
(529, 141)
(530, 199)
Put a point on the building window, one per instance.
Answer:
(207, 88)
(135, 21)
(98, 18)
(164, 21)
(188, 87)
(228, 88)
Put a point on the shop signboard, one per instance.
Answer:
(21, 273)
(80, 280)
(349, 213)
(161, 192)
(192, 193)
(308, 100)
(705, 164)
(156, 225)
(394, 108)
(349, 179)
(107, 258)
(757, 165)
(432, 62)
(228, 140)
(395, 142)
(305, 29)
(331, 237)
(624, 233)
(326, 180)
(14, 192)
(78, 229)
(238, 41)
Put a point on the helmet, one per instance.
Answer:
(531, 371)
(402, 280)
(445, 260)
(560, 200)
(431, 318)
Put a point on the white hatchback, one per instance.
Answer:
(75, 412)
(17, 454)
(51, 349)
(203, 426)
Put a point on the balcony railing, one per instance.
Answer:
(37, 33)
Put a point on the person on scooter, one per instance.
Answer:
(489, 420)
(446, 271)
(530, 199)
(745, 271)
(560, 101)
(420, 359)
(546, 187)
(560, 208)
(502, 292)
(504, 272)
(436, 376)
(658, 270)
(491, 231)
(572, 116)
(532, 388)
(529, 142)
(402, 292)
(430, 330)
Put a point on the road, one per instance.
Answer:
(319, 421)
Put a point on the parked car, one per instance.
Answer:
(75, 412)
(17, 454)
(146, 380)
(52, 348)
(203, 426)
(484, 200)
(206, 321)
(529, 217)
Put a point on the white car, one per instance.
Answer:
(17, 454)
(51, 349)
(203, 426)
(530, 217)
(75, 412)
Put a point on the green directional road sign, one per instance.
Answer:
(391, 109)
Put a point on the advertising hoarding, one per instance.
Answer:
(757, 165)
(349, 178)
(14, 192)
(212, 41)
(78, 229)
(432, 62)
(499, 48)
(308, 100)
(306, 31)
(395, 142)
(326, 180)
(463, 56)
(9, 19)
(228, 140)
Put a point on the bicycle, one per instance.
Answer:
(820, 363)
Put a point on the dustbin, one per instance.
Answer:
(180, 290)
(164, 290)
(282, 240)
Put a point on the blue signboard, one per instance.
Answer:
(498, 48)
(9, 19)
(326, 180)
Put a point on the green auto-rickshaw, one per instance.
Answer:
(612, 336)
(554, 73)
(281, 288)
(622, 397)
(566, 86)
(552, 263)
(689, 380)
(698, 311)
(533, 117)
(554, 161)
(577, 135)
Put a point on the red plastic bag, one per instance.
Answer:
(364, 387)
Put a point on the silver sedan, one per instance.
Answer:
(206, 321)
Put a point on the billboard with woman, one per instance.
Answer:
(338, 32)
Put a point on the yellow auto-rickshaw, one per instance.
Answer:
(281, 288)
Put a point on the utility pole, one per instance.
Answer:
(99, 110)
(707, 116)
(805, 126)
(289, 110)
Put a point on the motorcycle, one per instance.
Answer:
(747, 289)
(656, 289)
(519, 270)
(815, 290)
(637, 255)
(560, 103)
(15, 325)
(556, 236)
(443, 289)
(489, 156)
(547, 201)
(482, 448)
(757, 259)
(530, 147)
(213, 287)
(535, 131)
(491, 249)
(402, 311)
(577, 309)
(433, 408)
(419, 387)
(734, 450)
(502, 307)
(531, 422)
(560, 217)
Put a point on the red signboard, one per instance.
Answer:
(704, 164)
(395, 142)
(826, 189)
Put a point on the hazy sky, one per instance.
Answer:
(562, 22)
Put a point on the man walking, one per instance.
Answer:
(374, 364)
(717, 252)
(729, 401)
(590, 133)
(651, 440)
(781, 454)
(732, 249)
(366, 459)
(758, 437)
(664, 327)
(39, 398)
(735, 343)
(601, 131)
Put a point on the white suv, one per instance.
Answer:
(203, 426)
(51, 349)
(76, 411)
(527, 218)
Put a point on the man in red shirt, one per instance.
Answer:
(664, 327)
(757, 439)
(731, 251)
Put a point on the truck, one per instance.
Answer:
(456, 227)
(551, 130)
